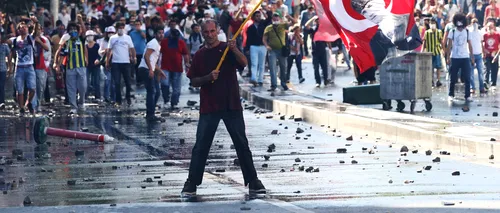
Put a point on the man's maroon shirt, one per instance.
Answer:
(224, 94)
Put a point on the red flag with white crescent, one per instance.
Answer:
(369, 27)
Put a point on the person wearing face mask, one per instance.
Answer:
(75, 52)
(274, 40)
(432, 43)
(64, 16)
(459, 55)
(477, 51)
(109, 86)
(93, 67)
(124, 56)
(173, 51)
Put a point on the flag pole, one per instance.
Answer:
(236, 35)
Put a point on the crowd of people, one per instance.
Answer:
(465, 35)
(153, 44)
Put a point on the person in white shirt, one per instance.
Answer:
(64, 17)
(122, 49)
(148, 69)
(93, 13)
(452, 9)
(109, 88)
(461, 57)
(477, 50)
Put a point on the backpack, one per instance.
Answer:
(31, 43)
(453, 33)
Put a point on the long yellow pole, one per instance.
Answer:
(236, 35)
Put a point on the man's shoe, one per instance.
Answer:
(439, 84)
(302, 80)
(2, 106)
(272, 89)
(256, 187)
(189, 189)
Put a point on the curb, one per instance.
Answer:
(419, 132)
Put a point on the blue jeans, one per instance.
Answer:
(109, 87)
(275, 55)
(25, 75)
(41, 80)
(258, 62)
(173, 79)
(3, 76)
(152, 91)
(76, 81)
(464, 65)
(94, 73)
(478, 60)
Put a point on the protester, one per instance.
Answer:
(121, 47)
(76, 72)
(459, 55)
(219, 100)
(149, 70)
(173, 51)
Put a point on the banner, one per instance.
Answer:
(132, 5)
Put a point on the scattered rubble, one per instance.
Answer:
(436, 160)
(428, 152)
(404, 149)
(342, 150)
(456, 173)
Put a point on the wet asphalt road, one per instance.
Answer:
(118, 172)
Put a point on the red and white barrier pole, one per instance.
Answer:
(77, 135)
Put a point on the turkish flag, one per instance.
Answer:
(326, 30)
(369, 28)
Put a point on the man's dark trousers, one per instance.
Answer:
(207, 126)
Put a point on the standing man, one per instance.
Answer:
(459, 55)
(122, 49)
(40, 66)
(491, 46)
(139, 39)
(257, 49)
(147, 71)
(75, 52)
(219, 100)
(477, 50)
(23, 46)
(173, 50)
(305, 16)
(432, 44)
(274, 40)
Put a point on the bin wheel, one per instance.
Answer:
(401, 106)
(428, 106)
(412, 106)
(386, 105)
